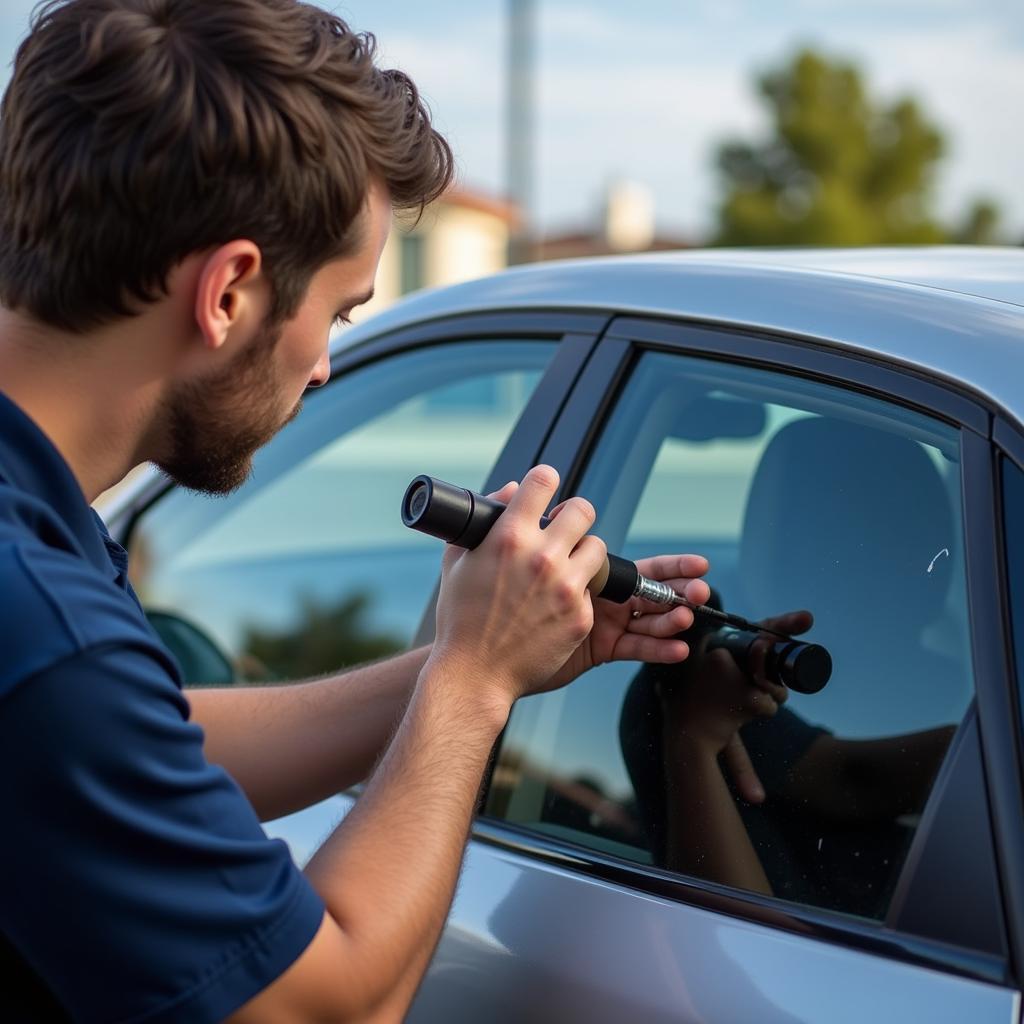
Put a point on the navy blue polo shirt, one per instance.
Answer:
(137, 884)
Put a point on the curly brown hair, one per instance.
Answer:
(136, 132)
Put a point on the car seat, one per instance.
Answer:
(853, 523)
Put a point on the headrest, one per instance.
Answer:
(849, 522)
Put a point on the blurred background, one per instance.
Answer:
(585, 128)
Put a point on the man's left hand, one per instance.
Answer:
(651, 636)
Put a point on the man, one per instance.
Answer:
(190, 194)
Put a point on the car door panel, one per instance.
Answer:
(530, 941)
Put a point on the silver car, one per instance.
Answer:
(838, 431)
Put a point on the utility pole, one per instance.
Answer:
(519, 124)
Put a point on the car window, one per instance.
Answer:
(308, 568)
(803, 496)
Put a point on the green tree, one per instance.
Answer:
(839, 168)
(981, 224)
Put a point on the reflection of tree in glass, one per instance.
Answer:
(326, 637)
(581, 803)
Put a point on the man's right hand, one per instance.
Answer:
(511, 612)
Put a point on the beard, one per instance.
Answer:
(216, 425)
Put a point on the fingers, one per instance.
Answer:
(681, 573)
(531, 498)
(649, 649)
(668, 568)
(790, 623)
(576, 516)
(661, 623)
(588, 557)
(696, 591)
(756, 668)
(742, 771)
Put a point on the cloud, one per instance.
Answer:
(456, 74)
(656, 112)
(970, 81)
(647, 90)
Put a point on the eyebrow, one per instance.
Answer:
(357, 300)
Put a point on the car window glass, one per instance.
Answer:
(803, 496)
(308, 567)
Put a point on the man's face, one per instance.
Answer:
(217, 423)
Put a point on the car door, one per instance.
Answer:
(307, 568)
(602, 883)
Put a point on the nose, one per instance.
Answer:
(321, 372)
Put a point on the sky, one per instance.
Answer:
(644, 91)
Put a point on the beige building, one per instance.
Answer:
(625, 224)
(465, 234)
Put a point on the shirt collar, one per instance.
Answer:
(30, 462)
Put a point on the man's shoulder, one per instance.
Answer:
(58, 606)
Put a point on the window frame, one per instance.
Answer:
(569, 447)
(574, 334)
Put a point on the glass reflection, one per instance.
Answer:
(825, 514)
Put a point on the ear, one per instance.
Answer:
(226, 290)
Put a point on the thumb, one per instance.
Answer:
(742, 770)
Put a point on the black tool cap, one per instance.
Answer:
(437, 508)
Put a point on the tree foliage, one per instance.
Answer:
(839, 168)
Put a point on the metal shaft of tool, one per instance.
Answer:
(660, 593)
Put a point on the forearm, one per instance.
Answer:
(706, 836)
(289, 746)
(387, 876)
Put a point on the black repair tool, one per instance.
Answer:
(463, 517)
(795, 664)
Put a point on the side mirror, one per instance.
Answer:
(201, 660)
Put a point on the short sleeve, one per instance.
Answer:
(138, 882)
(776, 744)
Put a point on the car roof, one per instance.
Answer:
(953, 312)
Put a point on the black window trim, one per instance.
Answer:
(995, 678)
(796, 356)
(569, 446)
(514, 325)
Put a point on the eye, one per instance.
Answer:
(340, 320)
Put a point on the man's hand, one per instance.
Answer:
(513, 611)
(637, 630)
(651, 636)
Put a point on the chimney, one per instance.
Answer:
(628, 216)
